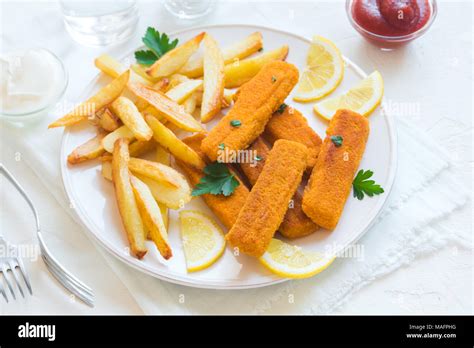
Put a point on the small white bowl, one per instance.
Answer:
(43, 110)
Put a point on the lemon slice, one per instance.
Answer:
(362, 99)
(203, 240)
(323, 73)
(291, 261)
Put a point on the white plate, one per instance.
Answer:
(94, 202)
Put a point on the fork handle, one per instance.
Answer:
(20, 189)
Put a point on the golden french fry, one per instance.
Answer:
(190, 104)
(89, 150)
(162, 85)
(113, 68)
(173, 198)
(126, 110)
(151, 216)
(108, 121)
(182, 91)
(166, 107)
(126, 200)
(163, 156)
(95, 103)
(174, 60)
(139, 147)
(106, 170)
(238, 50)
(213, 79)
(140, 70)
(109, 140)
(176, 79)
(241, 71)
(154, 170)
(173, 144)
(228, 96)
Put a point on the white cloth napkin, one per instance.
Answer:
(403, 231)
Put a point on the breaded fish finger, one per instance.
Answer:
(295, 223)
(226, 208)
(257, 100)
(290, 124)
(331, 180)
(267, 202)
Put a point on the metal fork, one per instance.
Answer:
(71, 283)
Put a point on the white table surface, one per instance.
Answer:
(433, 75)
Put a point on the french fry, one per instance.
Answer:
(126, 110)
(89, 150)
(140, 70)
(239, 50)
(189, 104)
(106, 170)
(241, 71)
(182, 91)
(174, 60)
(109, 140)
(95, 103)
(173, 144)
(113, 68)
(139, 147)
(213, 79)
(154, 170)
(163, 156)
(167, 108)
(162, 85)
(151, 216)
(126, 200)
(177, 79)
(108, 121)
(173, 198)
(228, 96)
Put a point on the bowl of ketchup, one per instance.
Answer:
(390, 23)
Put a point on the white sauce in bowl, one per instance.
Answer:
(30, 81)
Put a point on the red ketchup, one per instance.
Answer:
(391, 18)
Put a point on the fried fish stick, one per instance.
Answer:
(226, 208)
(267, 203)
(331, 180)
(295, 223)
(290, 124)
(258, 99)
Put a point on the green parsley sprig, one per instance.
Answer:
(362, 185)
(218, 180)
(158, 45)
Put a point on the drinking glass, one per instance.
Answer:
(100, 22)
(189, 9)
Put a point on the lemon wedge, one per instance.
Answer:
(323, 73)
(290, 261)
(363, 98)
(203, 240)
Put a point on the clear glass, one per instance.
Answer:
(189, 9)
(100, 22)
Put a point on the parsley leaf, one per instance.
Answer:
(281, 108)
(218, 180)
(145, 57)
(158, 44)
(362, 185)
(235, 123)
(337, 140)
